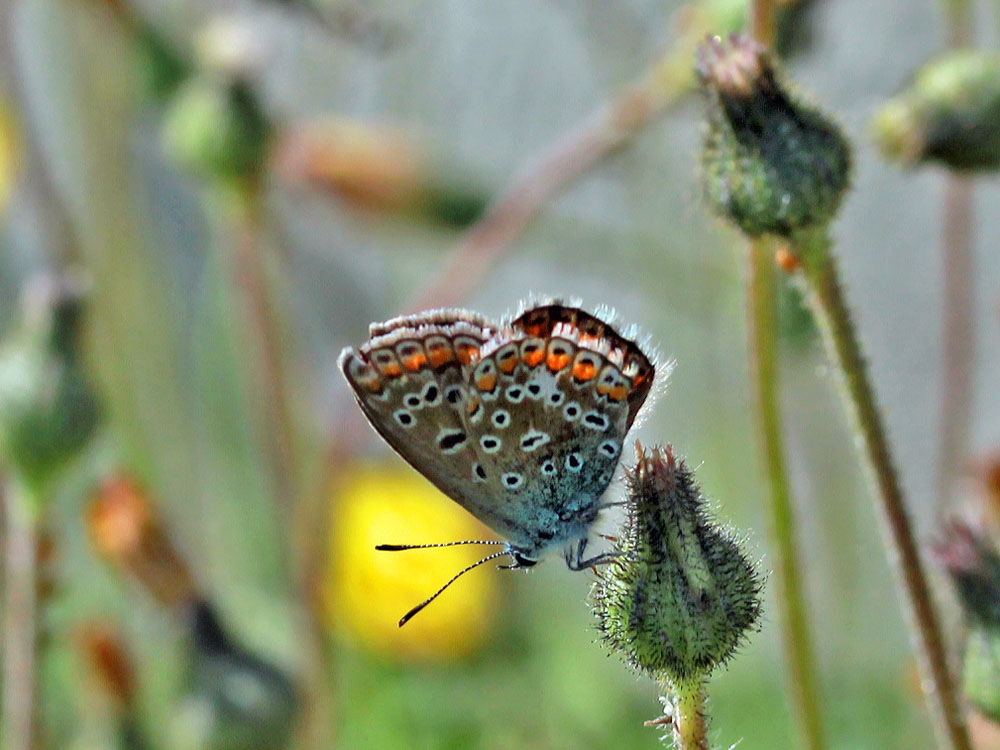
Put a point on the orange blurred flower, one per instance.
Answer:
(368, 166)
(366, 592)
(108, 658)
(124, 530)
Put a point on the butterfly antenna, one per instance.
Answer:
(409, 615)
(401, 547)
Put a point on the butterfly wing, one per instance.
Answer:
(550, 403)
(522, 425)
(410, 380)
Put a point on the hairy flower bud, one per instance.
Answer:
(771, 162)
(949, 114)
(681, 595)
(48, 411)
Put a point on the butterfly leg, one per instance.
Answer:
(576, 561)
(521, 562)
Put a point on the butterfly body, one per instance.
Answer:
(521, 422)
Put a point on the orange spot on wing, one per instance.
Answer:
(557, 361)
(508, 363)
(534, 357)
(415, 361)
(473, 406)
(440, 354)
(373, 384)
(467, 353)
(584, 370)
(618, 392)
(487, 382)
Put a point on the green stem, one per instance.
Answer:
(830, 308)
(689, 717)
(803, 681)
(958, 345)
(764, 21)
(20, 627)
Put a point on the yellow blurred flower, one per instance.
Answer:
(366, 592)
(8, 154)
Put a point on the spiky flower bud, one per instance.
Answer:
(949, 114)
(974, 566)
(48, 411)
(681, 595)
(771, 162)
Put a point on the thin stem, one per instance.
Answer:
(830, 309)
(20, 632)
(764, 21)
(958, 350)
(958, 346)
(689, 717)
(762, 321)
(555, 170)
(265, 338)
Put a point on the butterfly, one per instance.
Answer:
(521, 422)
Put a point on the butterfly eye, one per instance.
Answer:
(451, 441)
(512, 480)
(431, 394)
(490, 443)
(404, 418)
(596, 421)
(534, 439)
(515, 394)
(609, 448)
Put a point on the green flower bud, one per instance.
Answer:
(974, 566)
(48, 412)
(681, 595)
(216, 127)
(162, 69)
(981, 671)
(950, 114)
(771, 163)
(249, 703)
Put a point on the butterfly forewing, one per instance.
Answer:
(410, 381)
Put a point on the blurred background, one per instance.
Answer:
(230, 192)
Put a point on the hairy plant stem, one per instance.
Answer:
(688, 711)
(819, 272)
(20, 623)
(803, 683)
